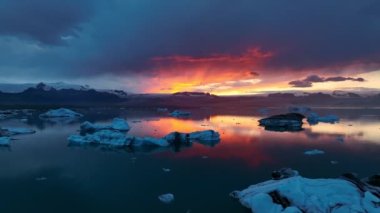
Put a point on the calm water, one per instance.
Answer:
(41, 173)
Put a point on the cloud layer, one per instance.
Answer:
(308, 81)
(155, 39)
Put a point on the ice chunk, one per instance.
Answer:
(283, 122)
(200, 136)
(105, 137)
(166, 198)
(299, 194)
(314, 152)
(314, 119)
(61, 112)
(5, 141)
(166, 169)
(179, 113)
(117, 124)
(10, 131)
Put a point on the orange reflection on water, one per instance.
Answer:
(242, 139)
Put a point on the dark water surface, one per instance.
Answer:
(42, 173)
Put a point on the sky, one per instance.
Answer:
(220, 46)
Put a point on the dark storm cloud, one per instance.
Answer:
(121, 37)
(308, 81)
(46, 21)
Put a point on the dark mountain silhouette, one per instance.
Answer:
(43, 94)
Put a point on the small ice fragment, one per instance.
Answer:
(334, 162)
(314, 152)
(204, 157)
(166, 198)
(166, 169)
(41, 178)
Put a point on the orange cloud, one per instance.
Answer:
(215, 73)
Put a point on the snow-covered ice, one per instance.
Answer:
(61, 112)
(314, 152)
(166, 198)
(299, 194)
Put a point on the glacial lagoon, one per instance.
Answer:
(43, 172)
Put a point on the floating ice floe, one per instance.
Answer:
(5, 141)
(200, 136)
(166, 169)
(314, 152)
(314, 119)
(166, 198)
(117, 124)
(10, 131)
(297, 194)
(179, 113)
(105, 137)
(59, 113)
(283, 122)
(115, 135)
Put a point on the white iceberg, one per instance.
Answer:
(166, 198)
(10, 131)
(5, 141)
(104, 137)
(314, 152)
(314, 118)
(179, 113)
(299, 194)
(117, 124)
(117, 139)
(61, 112)
(200, 136)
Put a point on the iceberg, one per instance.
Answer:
(61, 112)
(117, 124)
(300, 194)
(179, 113)
(5, 141)
(104, 137)
(314, 152)
(199, 136)
(10, 131)
(114, 134)
(314, 119)
(166, 198)
(283, 122)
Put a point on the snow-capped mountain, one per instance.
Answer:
(17, 88)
